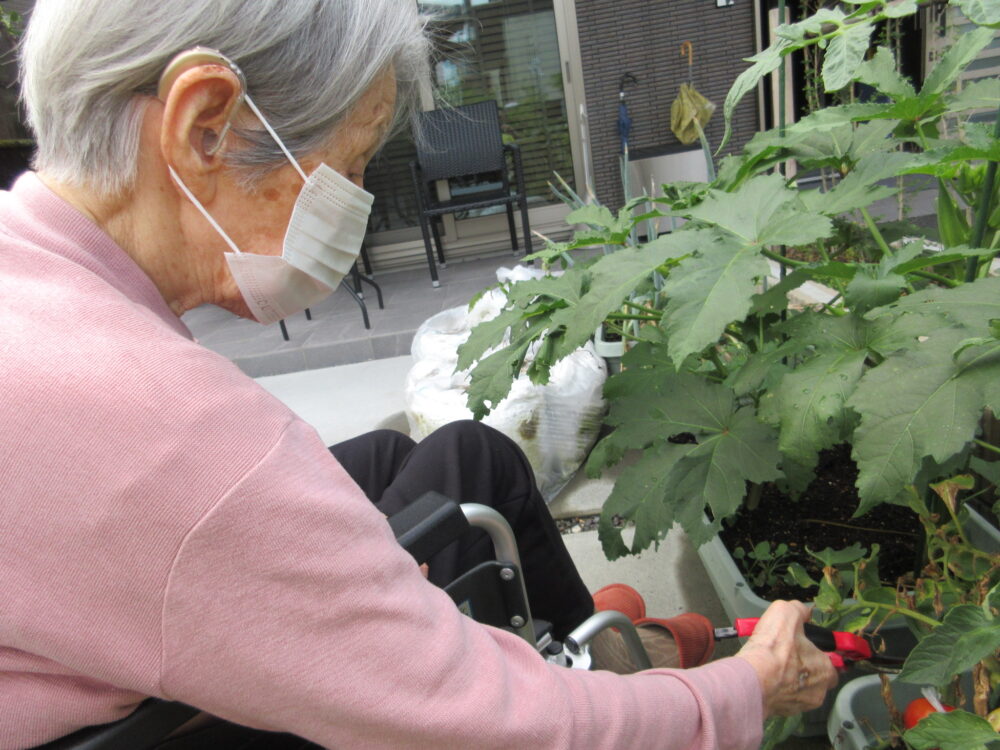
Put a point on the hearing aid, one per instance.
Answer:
(191, 58)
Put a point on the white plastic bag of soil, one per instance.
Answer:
(555, 424)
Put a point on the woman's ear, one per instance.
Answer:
(198, 108)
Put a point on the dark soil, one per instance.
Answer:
(821, 518)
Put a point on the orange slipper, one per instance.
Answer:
(622, 598)
(693, 636)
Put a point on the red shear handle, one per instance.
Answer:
(852, 647)
(841, 646)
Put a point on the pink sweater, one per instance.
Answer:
(167, 528)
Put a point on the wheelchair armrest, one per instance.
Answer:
(153, 720)
(428, 525)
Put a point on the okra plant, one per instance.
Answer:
(726, 384)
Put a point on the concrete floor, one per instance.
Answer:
(336, 334)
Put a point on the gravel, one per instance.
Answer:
(578, 524)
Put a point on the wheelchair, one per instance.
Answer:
(492, 593)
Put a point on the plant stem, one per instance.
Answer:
(856, 528)
(631, 316)
(828, 306)
(983, 212)
(879, 239)
(936, 277)
(634, 306)
(987, 446)
(720, 368)
(782, 259)
(862, 603)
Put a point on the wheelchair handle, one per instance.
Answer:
(585, 632)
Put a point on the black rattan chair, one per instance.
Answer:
(464, 142)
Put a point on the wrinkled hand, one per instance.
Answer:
(793, 673)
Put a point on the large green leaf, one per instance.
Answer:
(809, 402)
(844, 55)
(740, 449)
(982, 12)
(860, 188)
(492, 377)
(957, 730)
(763, 63)
(715, 286)
(764, 369)
(881, 284)
(969, 305)
(869, 290)
(642, 495)
(611, 229)
(525, 300)
(976, 95)
(762, 212)
(850, 193)
(811, 26)
(714, 289)
(881, 72)
(646, 369)
(901, 8)
(953, 62)
(613, 278)
(919, 403)
(965, 636)
(651, 404)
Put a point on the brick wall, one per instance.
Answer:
(643, 37)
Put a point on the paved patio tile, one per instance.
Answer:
(275, 363)
(336, 334)
(328, 355)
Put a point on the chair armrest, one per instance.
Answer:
(428, 525)
(153, 720)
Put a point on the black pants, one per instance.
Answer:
(467, 462)
(470, 462)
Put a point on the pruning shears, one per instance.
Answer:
(844, 649)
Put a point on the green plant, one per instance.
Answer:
(726, 384)
(11, 21)
(952, 605)
(764, 563)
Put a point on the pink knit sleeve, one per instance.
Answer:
(291, 607)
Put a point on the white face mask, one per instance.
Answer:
(321, 243)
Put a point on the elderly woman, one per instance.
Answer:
(168, 528)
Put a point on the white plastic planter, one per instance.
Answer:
(739, 600)
(608, 349)
(859, 716)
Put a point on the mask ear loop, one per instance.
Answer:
(202, 56)
(270, 130)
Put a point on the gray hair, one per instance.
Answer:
(90, 67)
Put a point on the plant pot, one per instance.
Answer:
(858, 715)
(608, 349)
(739, 600)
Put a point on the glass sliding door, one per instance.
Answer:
(504, 50)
